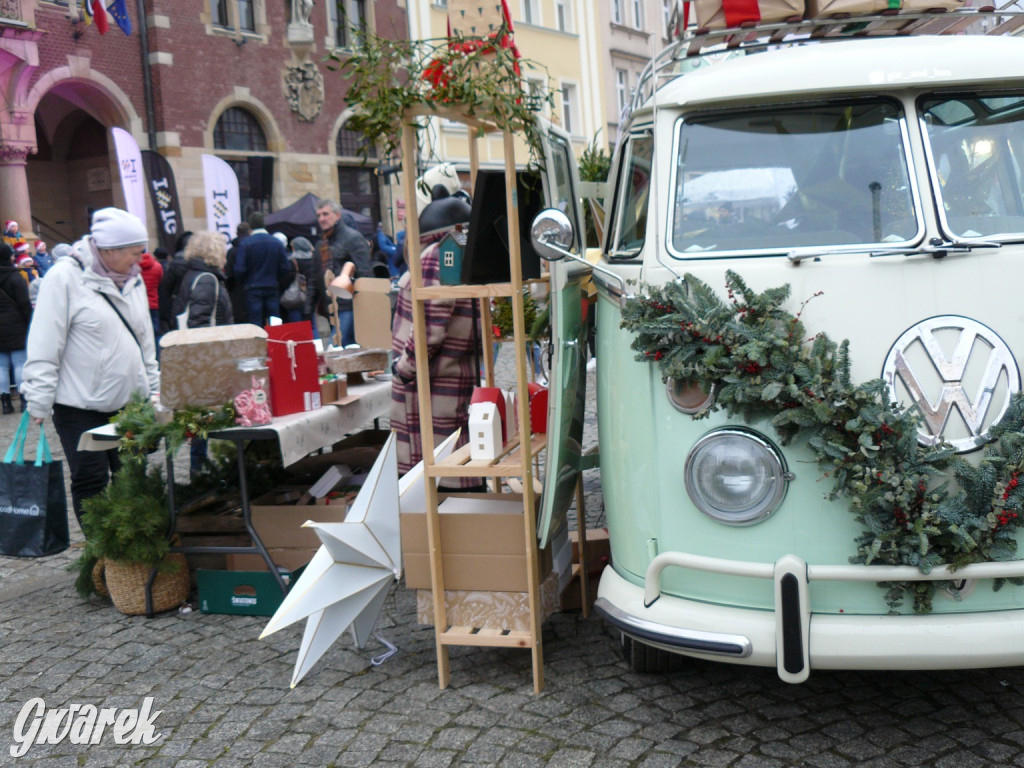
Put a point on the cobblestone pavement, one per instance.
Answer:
(224, 700)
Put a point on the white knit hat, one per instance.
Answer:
(114, 228)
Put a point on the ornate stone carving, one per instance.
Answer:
(11, 9)
(12, 154)
(304, 89)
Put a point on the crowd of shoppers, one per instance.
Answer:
(79, 328)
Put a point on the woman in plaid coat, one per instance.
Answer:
(452, 350)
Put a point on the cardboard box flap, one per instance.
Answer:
(371, 309)
(214, 333)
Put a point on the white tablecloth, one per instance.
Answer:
(298, 434)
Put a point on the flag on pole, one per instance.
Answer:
(163, 194)
(129, 160)
(119, 13)
(95, 9)
(223, 209)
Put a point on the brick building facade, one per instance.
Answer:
(245, 80)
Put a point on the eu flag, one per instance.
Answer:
(120, 14)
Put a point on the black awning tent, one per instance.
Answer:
(299, 218)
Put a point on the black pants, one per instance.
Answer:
(90, 470)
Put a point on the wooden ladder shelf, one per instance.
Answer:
(517, 460)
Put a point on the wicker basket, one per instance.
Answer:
(126, 584)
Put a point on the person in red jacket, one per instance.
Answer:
(152, 272)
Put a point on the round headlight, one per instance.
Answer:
(688, 396)
(736, 477)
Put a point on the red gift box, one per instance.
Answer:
(291, 358)
(538, 408)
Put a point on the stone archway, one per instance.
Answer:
(74, 170)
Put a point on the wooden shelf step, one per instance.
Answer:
(486, 637)
(509, 464)
(486, 291)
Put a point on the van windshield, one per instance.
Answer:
(976, 145)
(789, 177)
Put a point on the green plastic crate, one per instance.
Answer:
(242, 593)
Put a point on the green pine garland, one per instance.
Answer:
(762, 365)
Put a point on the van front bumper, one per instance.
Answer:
(794, 639)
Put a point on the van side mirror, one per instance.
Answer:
(552, 235)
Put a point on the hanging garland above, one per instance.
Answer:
(763, 366)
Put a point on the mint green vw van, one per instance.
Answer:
(809, 339)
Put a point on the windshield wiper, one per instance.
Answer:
(938, 248)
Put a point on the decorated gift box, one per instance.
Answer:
(198, 365)
(291, 355)
(724, 14)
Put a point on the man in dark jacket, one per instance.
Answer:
(261, 265)
(236, 290)
(346, 253)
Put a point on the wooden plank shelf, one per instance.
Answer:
(509, 464)
(488, 291)
(486, 636)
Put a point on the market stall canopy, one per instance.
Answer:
(299, 218)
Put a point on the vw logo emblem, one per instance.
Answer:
(958, 373)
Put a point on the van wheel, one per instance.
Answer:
(645, 658)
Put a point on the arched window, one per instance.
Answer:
(357, 178)
(236, 136)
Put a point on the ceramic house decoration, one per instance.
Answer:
(484, 431)
(450, 256)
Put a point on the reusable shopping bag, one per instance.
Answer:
(33, 503)
(183, 317)
(294, 296)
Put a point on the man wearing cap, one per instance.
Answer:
(261, 265)
(91, 345)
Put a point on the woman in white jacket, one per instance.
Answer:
(90, 345)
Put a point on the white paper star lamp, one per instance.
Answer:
(345, 584)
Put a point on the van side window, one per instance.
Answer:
(563, 195)
(781, 178)
(634, 186)
(976, 145)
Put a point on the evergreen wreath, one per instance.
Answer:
(763, 366)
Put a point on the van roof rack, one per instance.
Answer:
(693, 47)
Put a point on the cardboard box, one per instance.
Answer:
(247, 587)
(280, 524)
(291, 558)
(722, 14)
(241, 593)
(817, 9)
(599, 550)
(484, 546)
(481, 609)
(371, 308)
(197, 365)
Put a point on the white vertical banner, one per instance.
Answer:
(133, 178)
(223, 211)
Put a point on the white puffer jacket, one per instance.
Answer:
(79, 352)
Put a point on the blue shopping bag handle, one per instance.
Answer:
(16, 453)
(43, 455)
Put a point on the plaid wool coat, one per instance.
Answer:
(452, 353)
